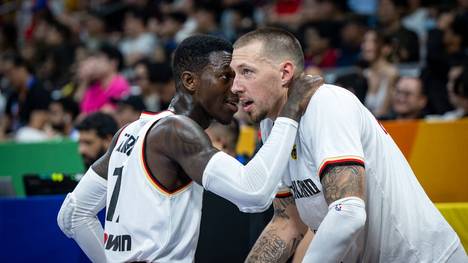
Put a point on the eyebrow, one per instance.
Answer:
(243, 65)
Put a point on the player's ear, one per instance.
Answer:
(190, 81)
(287, 72)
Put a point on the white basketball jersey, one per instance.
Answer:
(402, 223)
(145, 222)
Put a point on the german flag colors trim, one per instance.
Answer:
(342, 160)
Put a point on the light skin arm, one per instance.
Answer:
(281, 236)
(302, 247)
(342, 181)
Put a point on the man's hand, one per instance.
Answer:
(299, 94)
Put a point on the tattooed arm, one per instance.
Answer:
(340, 181)
(344, 190)
(281, 236)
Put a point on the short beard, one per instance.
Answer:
(257, 119)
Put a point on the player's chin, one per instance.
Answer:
(225, 119)
(256, 117)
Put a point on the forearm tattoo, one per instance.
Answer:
(280, 206)
(343, 181)
(271, 247)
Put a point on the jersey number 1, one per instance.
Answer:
(115, 194)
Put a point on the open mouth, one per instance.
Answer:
(247, 104)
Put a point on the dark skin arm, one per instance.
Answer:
(187, 148)
(100, 166)
(281, 236)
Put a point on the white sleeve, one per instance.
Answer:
(333, 124)
(344, 221)
(252, 187)
(77, 217)
(284, 186)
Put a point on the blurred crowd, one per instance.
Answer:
(66, 65)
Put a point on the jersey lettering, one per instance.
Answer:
(304, 188)
(127, 145)
(119, 243)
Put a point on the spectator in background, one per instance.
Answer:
(94, 34)
(172, 23)
(238, 19)
(59, 55)
(445, 48)
(137, 43)
(28, 103)
(8, 38)
(404, 43)
(155, 83)
(380, 74)
(95, 135)
(62, 115)
(351, 37)
(454, 97)
(318, 50)
(129, 109)
(460, 90)
(409, 100)
(354, 82)
(100, 80)
(207, 16)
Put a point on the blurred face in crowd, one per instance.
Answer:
(91, 147)
(453, 74)
(452, 41)
(133, 26)
(315, 43)
(126, 114)
(370, 46)
(17, 76)
(53, 37)
(205, 20)
(58, 117)
(170, 27)
(387, 12)
(409, 99)
(94, 25)
(258, 81)
(142, 79)
(96, 67)
(352, 34)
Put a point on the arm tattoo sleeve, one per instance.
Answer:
(343, 181)
(277, 242)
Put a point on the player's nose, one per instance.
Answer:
(237, 86)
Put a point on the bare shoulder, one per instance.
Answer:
(176, 127)
(177, 134)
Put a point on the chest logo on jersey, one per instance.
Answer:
(118, 242)
(127, 145)
(304, 188)
(294, 153)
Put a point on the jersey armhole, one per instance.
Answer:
(154, 181)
